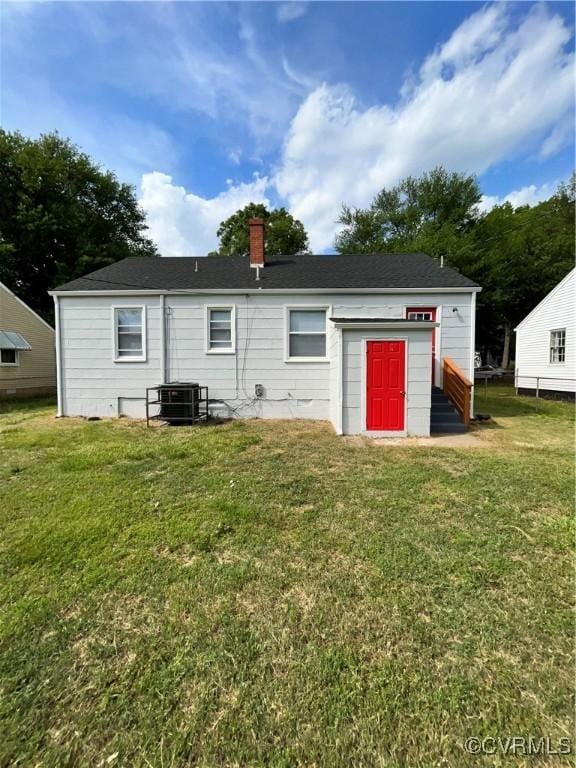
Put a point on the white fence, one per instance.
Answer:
(545, 383)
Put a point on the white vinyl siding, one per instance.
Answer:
(129, 334)
(220, 329)
(546, 342)
(297, 388)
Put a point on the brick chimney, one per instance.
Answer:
(257, 256)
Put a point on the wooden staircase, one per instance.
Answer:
(450, 411)
(444, 418)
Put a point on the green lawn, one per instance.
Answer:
(268, 594)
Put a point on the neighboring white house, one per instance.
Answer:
(358, 340)
(546, 344)
(27, 354)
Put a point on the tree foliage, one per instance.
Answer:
(516, 255)
(61, 216)
(284, 234)
(423, 213)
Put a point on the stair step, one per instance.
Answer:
(453, 428)
(445, 418)
(439, 398)
(442, 407)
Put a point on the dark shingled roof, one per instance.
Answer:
(389, 270)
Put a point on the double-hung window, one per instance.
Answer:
(558, 346)
(129, 334)
(306, 334)
(220, 329)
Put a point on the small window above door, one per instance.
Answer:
(427, 314)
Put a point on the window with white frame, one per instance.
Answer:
(420, 314)
(220, 332)
(130, 333)
(306, 333)
(9, 357)
(558, 346)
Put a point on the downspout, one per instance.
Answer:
(340, 370)
(59, 382)
(472, 345)
(163, 356)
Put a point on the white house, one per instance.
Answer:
(546, 344)
(358, 340)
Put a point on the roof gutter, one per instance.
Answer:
(260, 290)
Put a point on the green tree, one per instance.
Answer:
(427, 213)
(517, 256)
(61, 216)
(285, 235)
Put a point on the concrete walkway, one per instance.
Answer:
(468, 440)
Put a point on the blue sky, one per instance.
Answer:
(206, 106)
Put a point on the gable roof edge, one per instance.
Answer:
(19, 300)
(544, 301)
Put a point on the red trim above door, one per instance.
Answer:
(385, 385)
(425, 313)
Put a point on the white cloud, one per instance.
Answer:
(235, 155)
(530, 195)
(289, 11)
(560, 136)
(491, 91)
(184, 224)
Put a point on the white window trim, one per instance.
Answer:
(226, 350)
(327, 308)
(12, 365)
(556, 362)
(136, 359)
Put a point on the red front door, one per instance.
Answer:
(426, 313)
(385, 382)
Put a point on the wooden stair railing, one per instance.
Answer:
(457, 388)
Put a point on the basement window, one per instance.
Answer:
(220, 329)
(558, 346)
(306, 334)
(129, 334)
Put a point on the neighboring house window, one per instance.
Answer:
(558, 346)
(130, 334)
(8, 357)
(306, 333)
(220, 330)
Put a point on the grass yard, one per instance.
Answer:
(267, 594)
